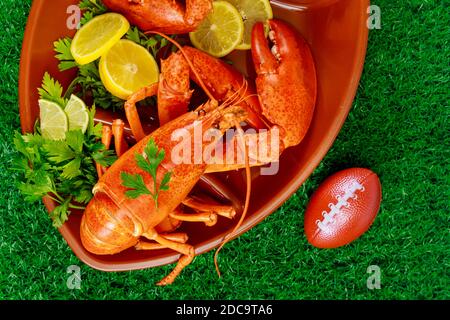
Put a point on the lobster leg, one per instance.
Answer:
(106, 140)
(206, 212)
(182, 263)
(202, 206)
(131, 110)
(177, 237)
(106, 136)
(168, 225)
(121, 145)
(209, 218)
(119, 139)
(188, 252)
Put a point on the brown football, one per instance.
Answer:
(342, 208)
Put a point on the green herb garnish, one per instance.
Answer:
(153, 43)
(52, 90)
(63, 170)
(150, 163)
(91, 9)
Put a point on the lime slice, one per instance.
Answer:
(252, 11)
(221, 32)
(77, 114)
(54, 122)
(126, 68)
(97, 36)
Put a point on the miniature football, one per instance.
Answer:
(342, 208)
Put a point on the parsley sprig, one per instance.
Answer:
(63, 170)
(52, 90)
(91, 9)
(154, 44)
(150, 164)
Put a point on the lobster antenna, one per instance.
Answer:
(236, 98)
(233, 99)
(241, 91)
(247, 198)
(191, 65)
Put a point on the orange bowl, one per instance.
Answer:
(337, 33)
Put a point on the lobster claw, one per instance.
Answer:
(286, 79)
(167, 16)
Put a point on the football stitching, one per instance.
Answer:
(335, 209)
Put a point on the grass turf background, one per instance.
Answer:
(398, 127)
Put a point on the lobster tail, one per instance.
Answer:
(106, 228)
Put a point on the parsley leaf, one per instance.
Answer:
(75, 140)
(84, 196)
(150, 164)
(41, 185)
(165, 182)
(64, 55)
(91, 8)
(52, 90)
(136, 183)
(61, 213)
(58, 151)
(93, 129)
(154, 43)
(72, 169)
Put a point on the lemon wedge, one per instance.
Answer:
(126, 68)
(221, 31)
(97, 36)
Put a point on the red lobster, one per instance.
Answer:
(286, 86)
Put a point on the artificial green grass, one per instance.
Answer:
(399, 127)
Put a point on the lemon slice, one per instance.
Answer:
(77, 114)
(252, 11)
(97, 36)
(54, 122)
(221, 32)
(126, 68)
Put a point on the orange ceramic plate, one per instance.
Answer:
(337, 33)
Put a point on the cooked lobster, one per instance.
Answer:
(286, 95)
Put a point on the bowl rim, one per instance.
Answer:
(279, 198)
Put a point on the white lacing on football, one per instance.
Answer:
(342, 201)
